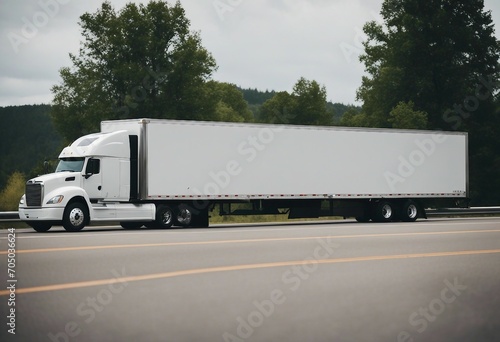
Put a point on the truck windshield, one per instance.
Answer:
(70, 164)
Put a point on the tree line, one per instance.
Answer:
(27, 138)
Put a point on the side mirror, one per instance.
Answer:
(93, 168)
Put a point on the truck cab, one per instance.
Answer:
(92, 177)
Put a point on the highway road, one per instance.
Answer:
(433, 280)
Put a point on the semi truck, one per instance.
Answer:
(164, 173)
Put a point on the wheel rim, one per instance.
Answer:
(412, 211)
(184, 217)
(76, 217)
(166, 217)
(387, 211)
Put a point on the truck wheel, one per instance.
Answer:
(184, 215)
(131, 225)
(164, 217)
(76, 216)
(410, 211)
(40, 226)
(384, 212)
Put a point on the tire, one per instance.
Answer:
(40, 226)
(184, 215)
(409, 211)
(384, 211)
(131, 225)
(76, 216)
(164, 217)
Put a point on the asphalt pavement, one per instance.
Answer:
(432, 280)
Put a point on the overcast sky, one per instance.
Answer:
(263, 44)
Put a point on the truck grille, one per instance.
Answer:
(34, 194)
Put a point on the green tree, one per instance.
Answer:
(277, 109)
(11, 194)
(484, 156)
(434, 53)
(310, 104)
(27, 137)
(142, 61)
(306, 105)
(354, 118)
(256, 97)
(229, 103)
(405, 116)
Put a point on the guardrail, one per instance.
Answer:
(463, 211)
(9, 216)
(13, 216)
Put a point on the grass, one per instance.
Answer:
(262, 219)
(6, 225)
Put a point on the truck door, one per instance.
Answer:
(92, 181)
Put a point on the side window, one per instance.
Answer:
(93, 167)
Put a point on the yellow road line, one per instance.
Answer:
(195, 243)
(112, 281)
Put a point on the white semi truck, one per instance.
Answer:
(160, 173)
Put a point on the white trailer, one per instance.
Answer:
(160, 173)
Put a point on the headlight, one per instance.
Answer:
(56, 199)
(22, 200)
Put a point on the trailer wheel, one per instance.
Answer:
(40, 226)
(76, 216)
(184, 215)
(384, 211)
(410, 211)
(164, 217)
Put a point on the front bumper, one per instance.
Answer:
(41, 214)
